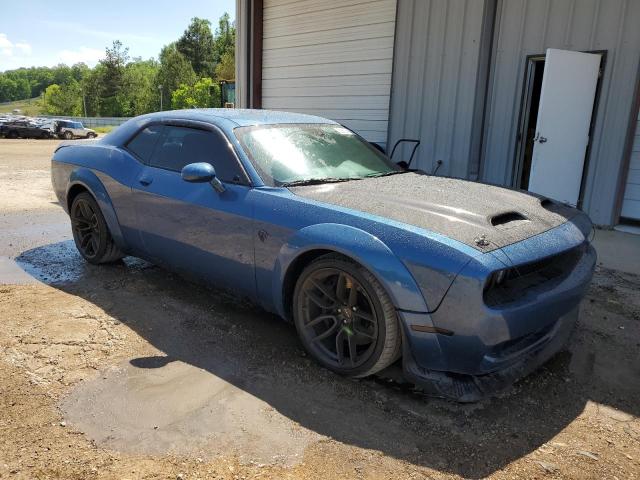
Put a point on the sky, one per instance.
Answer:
(45, 33)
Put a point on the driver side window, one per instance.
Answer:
(180, 146)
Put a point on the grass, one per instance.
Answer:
(105, 129)
(31, 107)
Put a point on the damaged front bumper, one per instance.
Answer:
(472, 388)
(471, 348)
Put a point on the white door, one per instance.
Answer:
(562, 132)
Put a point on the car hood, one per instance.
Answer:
(485, 217)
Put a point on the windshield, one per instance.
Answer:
(289, 154)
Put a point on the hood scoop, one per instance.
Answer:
(508, 220)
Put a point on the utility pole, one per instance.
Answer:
(160, 89)
(84, 103)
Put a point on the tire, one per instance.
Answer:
(90, 231)
(12, 134)
(333, 324)
(92, 135)
(68, 135)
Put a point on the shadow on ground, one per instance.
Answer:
(260, 354)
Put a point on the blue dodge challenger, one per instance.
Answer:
(473, 285)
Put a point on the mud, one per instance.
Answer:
(129, 371)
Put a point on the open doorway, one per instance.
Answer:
(528, 120)
(559, 100)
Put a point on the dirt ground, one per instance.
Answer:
(131, 372)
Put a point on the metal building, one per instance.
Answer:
(536, 94)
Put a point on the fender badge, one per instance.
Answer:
(482, 241)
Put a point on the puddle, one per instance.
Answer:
(60, 263)
(160, 405)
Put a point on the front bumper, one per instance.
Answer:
(472, 388)
(466, 350)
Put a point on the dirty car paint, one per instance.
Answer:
(248, 237)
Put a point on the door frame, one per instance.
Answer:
(525, 97)
(523, 117)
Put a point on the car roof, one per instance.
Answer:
(241, 117)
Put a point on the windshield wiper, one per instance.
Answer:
(316, 181)
(384, 174)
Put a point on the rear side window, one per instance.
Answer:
(181, 146)
(144, 142)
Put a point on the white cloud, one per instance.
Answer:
(87, 55)
(80, 29)
(24, 48)
(8, 48)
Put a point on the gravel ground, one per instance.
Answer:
(128, 371)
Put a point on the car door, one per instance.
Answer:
(77, 130)
(190, 226)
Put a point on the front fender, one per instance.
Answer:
(89, 180)
(362, 247)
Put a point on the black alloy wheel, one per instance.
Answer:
(345, 319)
(90, 231)
(86, 228)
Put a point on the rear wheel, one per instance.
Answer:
(68, 135)
(344, 318)
(90, 231)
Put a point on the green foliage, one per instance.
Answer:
(30, 106)
(175, 70)
(225, 39)
(226, 69)
(225, 49)
(105, 129)
(114, 63)
(198, 47)
(186, 76)
(138, 94)
(204, 93)
(63, 99)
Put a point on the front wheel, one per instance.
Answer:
(344, 317)
(90, 231)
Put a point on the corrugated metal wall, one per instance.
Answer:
(331, 58)
(631, 202)
(437, 67)
(528, 27)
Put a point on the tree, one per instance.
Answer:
(226, 69)
(225, 39)
(63, 99)
(175, 70)
(113, 65)
(197, 45)
(202, 94)
(8, 89)
(138, 88)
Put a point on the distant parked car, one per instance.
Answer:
(69, 130)
(25, 129)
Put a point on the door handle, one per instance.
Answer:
(146, 181)
(542, 139)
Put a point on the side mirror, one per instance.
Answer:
(202, 172)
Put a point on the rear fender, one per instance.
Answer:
(89, 180)
(360, 246)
